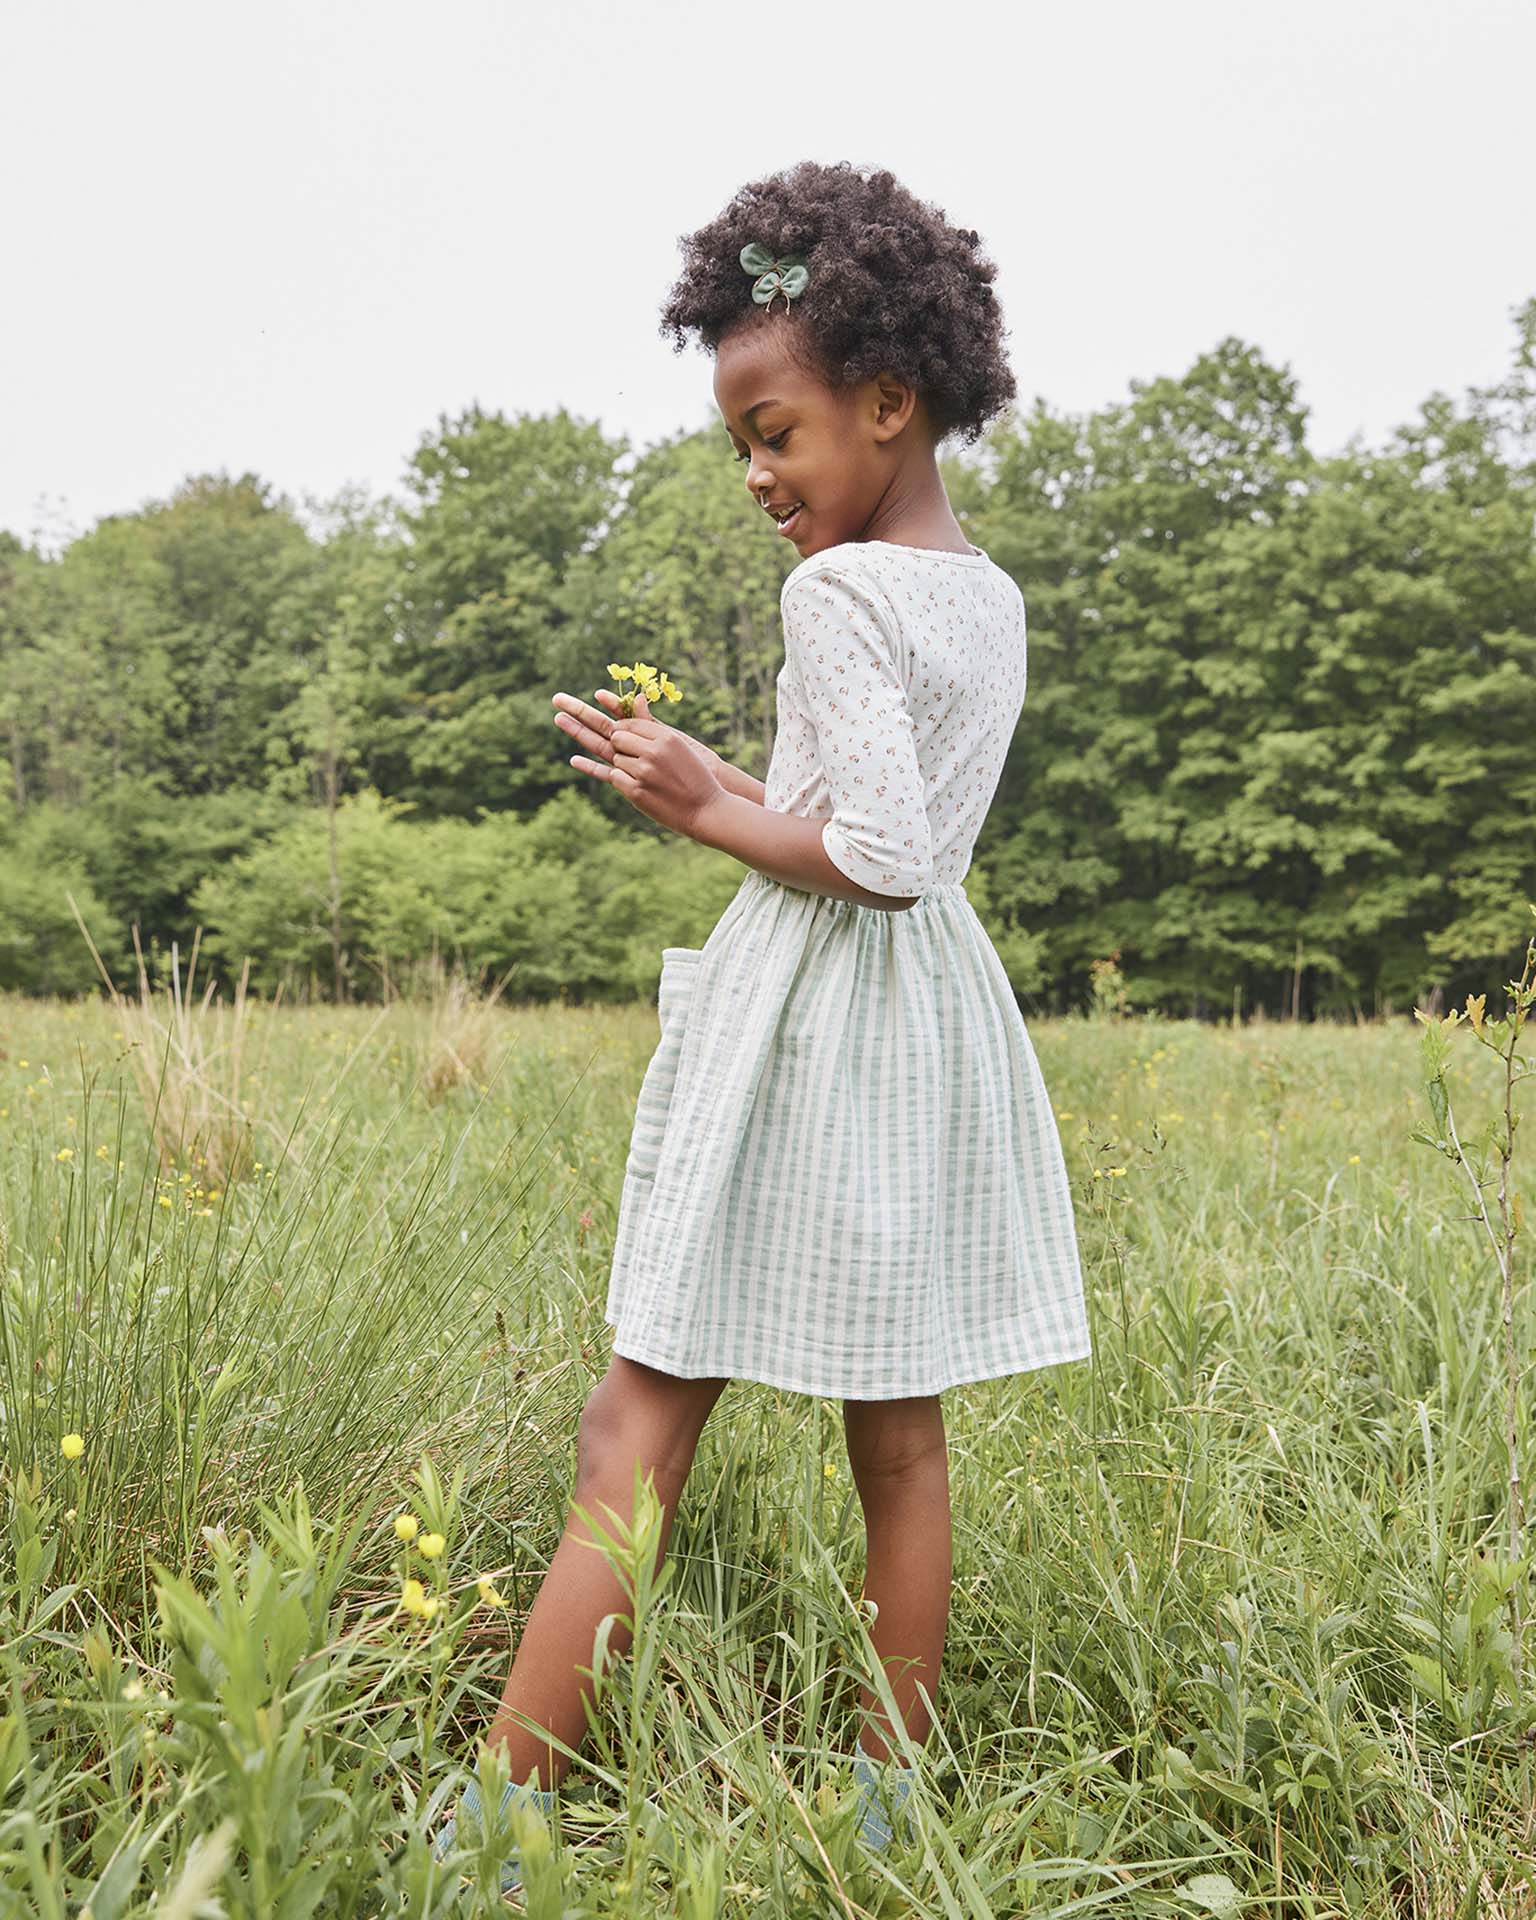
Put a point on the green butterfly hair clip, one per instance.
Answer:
(789, 276)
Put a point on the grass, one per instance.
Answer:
(1228, 1631)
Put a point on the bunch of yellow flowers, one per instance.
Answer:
(414, 1598)
(650, 681)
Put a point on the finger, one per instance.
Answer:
(578, 710)
(595, 767)
(587, 727)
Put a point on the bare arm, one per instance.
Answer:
(785, 846)
(735, 781)
(682, 784)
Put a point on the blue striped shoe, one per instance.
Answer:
(884, 1786)
(470, 1811)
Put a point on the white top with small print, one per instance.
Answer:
(903, 679)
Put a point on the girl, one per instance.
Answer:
(844, 1177)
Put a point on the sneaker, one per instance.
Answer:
(882, 1784)
(471, 1809)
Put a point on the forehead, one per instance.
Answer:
(755, 364)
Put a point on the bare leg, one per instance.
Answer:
(899, 1457)
(633, 1413)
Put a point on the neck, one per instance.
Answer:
(913, 510)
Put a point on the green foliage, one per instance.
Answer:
(1275, 750)
(556, 905)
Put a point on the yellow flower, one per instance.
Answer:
(1475, 1005)
(412, 1595)
(65, 1153)
(1065, 1113)
(1117, 1172)
(71, 1446)
(430, 1545)
(406, 1526)
(134, 1690)
(101, 1153)
(165, 1200)
(488, 1593)
(830, 1470)
(614, 673)
(1354, 1159)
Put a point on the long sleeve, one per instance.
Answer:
(839, 639)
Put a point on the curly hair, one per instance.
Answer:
(893, 288)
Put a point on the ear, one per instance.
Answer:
(894, 404)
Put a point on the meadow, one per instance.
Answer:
(1229, 1631)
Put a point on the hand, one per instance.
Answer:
(665, 773)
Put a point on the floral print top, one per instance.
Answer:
(903, 679)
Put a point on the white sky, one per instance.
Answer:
(285, 237)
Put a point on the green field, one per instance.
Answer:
(1226, 1634)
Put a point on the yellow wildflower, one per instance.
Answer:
(1354, 1159)
(488, 1593)
(430, 1545)
(406, 1526)
(72, 1446)
(830, 1470)
(65, 1153)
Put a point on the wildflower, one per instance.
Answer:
(488, 1593)
(65, 1153)
(134, 1690)
(71, 1446)
(1065, 1113)
(101, 1153)
(414, 1598)
(1354, 1159)
(406, 1526)
(1116, 1172)
(165, 1200)
(649, 680)
(1475, 1005)
(69, 1513)
(430, 1545)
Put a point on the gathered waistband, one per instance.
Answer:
(941, 892)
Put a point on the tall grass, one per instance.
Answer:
(1226, 1631)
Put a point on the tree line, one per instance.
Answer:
(1276, 750)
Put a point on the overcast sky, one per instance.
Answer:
(286, 237)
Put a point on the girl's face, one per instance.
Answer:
(829, 454)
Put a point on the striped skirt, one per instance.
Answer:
(845, 1176)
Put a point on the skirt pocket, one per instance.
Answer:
(678, 967)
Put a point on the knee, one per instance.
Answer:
(603, 1434)
(894, 1441)
(620, 1426)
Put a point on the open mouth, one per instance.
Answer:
(788, 518)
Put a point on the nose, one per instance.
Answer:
(759, 481)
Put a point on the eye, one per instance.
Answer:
(776, 442)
